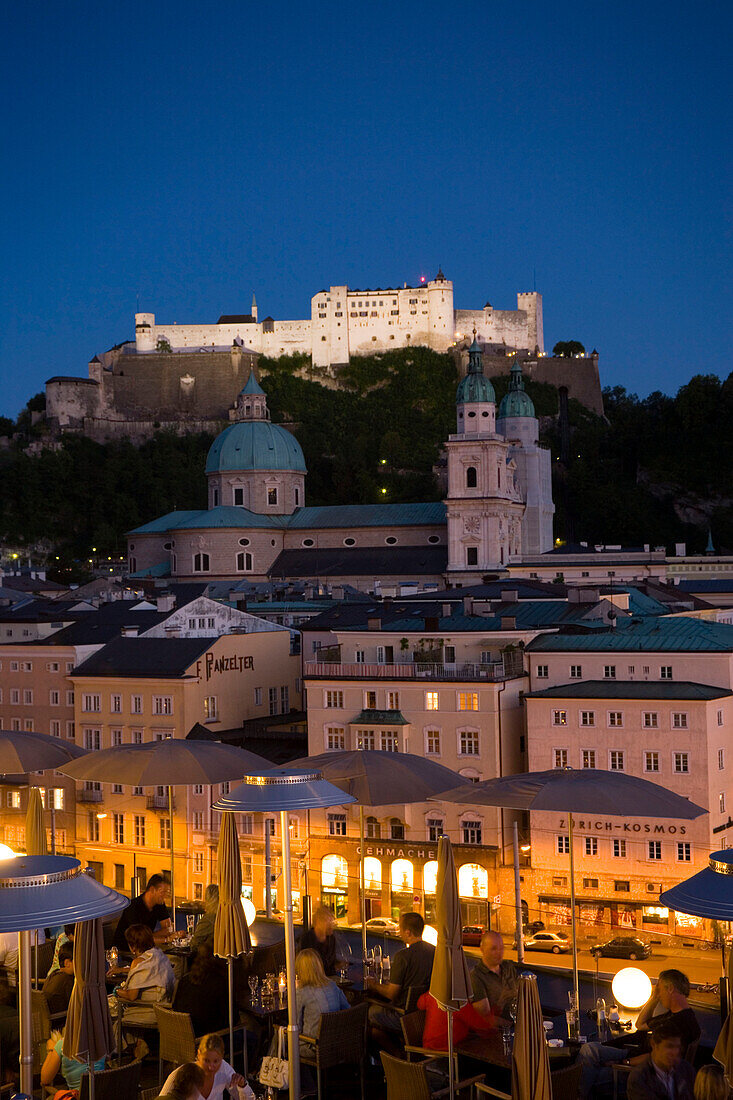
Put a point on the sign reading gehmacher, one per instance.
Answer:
(220, 665)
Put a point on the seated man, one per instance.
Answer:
(58, 985)
(203, 935)
(412, 968)
(67, 936)
(667, 1005)
(663, 1074)
(322, 938)
(148, 908)
(495, 980)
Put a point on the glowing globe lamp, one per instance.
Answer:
(249, 911)
(631, 987)
(6, 852)
(430, 934)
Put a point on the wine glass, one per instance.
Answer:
(253, 984)
(112, 957)
(513, 1010)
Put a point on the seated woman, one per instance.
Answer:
(203, 993)
(150, 981)
(315, 994)
(71, 1069)
(188, 1080)
(218, 1074)
(466, 1021)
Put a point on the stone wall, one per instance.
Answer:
(580, 376)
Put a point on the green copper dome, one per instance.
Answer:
(255, 445)
(516, 401)
(475, 387)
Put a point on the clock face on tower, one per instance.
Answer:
(471, 524)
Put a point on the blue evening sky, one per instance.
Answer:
(180, 155)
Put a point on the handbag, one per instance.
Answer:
(274, 1068)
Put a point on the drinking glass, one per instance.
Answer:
(190, 925)
(254, 982)
(112, 957)
(506, 1039)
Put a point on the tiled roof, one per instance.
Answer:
(668, 634)
(369, 515)
(101, 626)
(631, 689)
(366, 561)
(144, 658)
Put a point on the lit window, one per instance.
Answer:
(589, 758)
(365, 739)
(211, 708)
(431, 700)
(561, 758)
(468, 700)
(272, 496)
(615, 718)
(389, 741)
(559, 718)
(335, 737)
(393, 700)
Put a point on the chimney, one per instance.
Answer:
(680, 549)
(374, 622)
(130, 631)
(447, 610)
(509, 595)
(166, 601)
(468, 605)
(508, 622)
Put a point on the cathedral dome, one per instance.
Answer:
(255, 445)
(516, 402)
(475, 387)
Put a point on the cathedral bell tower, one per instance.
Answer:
(484, 505)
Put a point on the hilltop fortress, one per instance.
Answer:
(187, 377)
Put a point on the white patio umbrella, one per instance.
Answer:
(589, 790)
(39, 890)
(285, 791)
(377, 778)
(166, 763)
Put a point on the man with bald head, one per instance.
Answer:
(495, 979)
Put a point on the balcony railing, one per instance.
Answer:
(407, 670)
(159, 802)
(90, 796)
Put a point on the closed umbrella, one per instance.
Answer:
(450, 982)
(89, 1033)
(530, 1061)
(231, 934)
(376, 778)
(589, 790)
(166, 763)
(35, 830)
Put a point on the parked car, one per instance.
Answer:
(471, 934)
(380, 925)
(622, 947)
(548, 941)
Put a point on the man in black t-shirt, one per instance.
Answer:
(148, 908)
(411, 968)
(322, 938)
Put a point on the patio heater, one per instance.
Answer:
(284, 792)
(36, 891)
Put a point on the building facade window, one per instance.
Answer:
(587, 718)
(435, 829)
(337, 824)
(244, 562)
(93, 827)
(665, 672)
(468, 700)
(651, 761)
(721, 759)
(654, 849)
(679, 720)
(576, 672)
(162, 704)
(389, 741)
(650, 720)
(431, 700)
(334, 699)
(139, 830)
(118, 828)
(432, 742)
(560, 758)
(115, 704)
(563, 844)
(91, 704)
(543, 672)
(468, 743)
(681, 762)
(609, 672)
(615, 719)
(471, 832)
(165, 832)
(272, 700)
(335, 737)
(591, 846)
(136, 704)
(393, 700)
(211, 708)
(616, 760)
(365, 739)
(684, 851)
(589, 758)
(201, 563)
(559, 718)
(619, 849)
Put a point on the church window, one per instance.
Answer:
(215, 498)
(471, 477)
(272, 496)
(239, 496)
(472, 555)
(244, 562)
(349, 542)
(484, 413)
(244, 542)
(498, 476)
(201, 563)
(133, 565)
(297, 498)
(390, 540)
(307, 542)
(167, 545)
(472, 413)
(433, 538)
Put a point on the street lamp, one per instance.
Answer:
(285, 791)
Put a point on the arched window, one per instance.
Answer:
(133, 565)
(215, 498)
(396, 829)
(334, 872)
(430, 877)
(201, 563)
(401, 876)
(372, 873)
(473, 881)
(471, 477)
(373, 830)
(244, 562)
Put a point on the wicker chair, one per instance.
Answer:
(41, 959)
(341, 1041)
(178, 1041)
(149, 1094)
(565, 1084)
(121, 1083)
(409, 1080)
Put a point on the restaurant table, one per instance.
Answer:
(489, 1047)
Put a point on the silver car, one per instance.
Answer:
(556, 942)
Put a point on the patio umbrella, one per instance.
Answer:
(450, 982)
(285, 791)
(24, 752)
(376, 778)
(89, 1033)
(35, 830)
(231, 934)
(165, 763)
(530, 1060)
(589, 790)
(39, 890)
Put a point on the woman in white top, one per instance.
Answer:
(218, 1074)
(150, 979)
